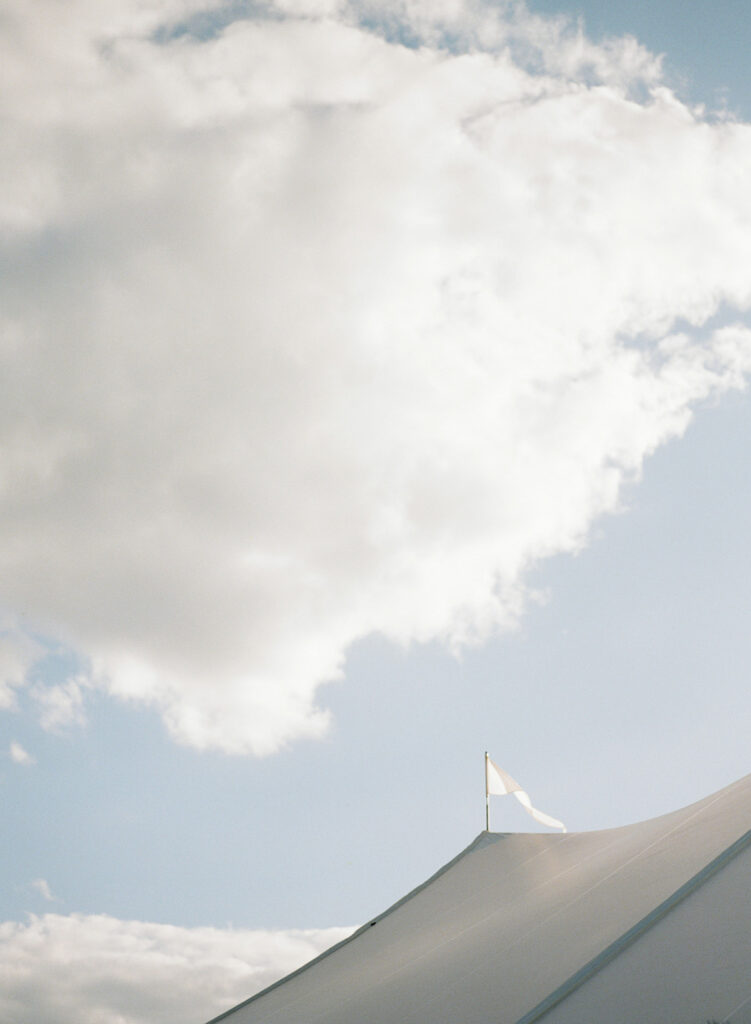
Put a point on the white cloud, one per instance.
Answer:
(18, 653)
(19, 755)
(62, 705)
(41, 886)
(308, 334)
(76, 969)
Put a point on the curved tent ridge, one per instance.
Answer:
(644, 921)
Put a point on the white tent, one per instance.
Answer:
(646, 924)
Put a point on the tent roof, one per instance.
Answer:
(650, 919)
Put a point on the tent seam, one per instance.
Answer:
(635, 932)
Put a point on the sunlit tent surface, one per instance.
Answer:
(646, 923)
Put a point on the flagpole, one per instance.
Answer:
(487, 796)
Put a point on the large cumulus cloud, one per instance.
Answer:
(331, 319)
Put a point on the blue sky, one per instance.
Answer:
(703, 47)
(620, 697)
(240, 690)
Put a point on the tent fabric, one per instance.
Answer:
(646, 922)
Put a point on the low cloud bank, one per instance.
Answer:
(81, 969)
(329, 321)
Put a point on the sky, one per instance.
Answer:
(373, 394)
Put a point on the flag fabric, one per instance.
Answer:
(500, 783)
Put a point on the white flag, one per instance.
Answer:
(500, 783)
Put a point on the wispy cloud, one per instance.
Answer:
(18, 652)
(86, 970)
(19, 755)
(62, 705)
(42, 887)
(326, 335)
